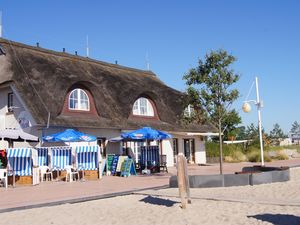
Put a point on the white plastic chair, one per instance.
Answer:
(3, 175)
(71, 173)
(45, 171)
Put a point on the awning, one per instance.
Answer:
(194, 133)
(116, 139)
(18, 152)
(236, 142)
(81, 149)
(17, 134)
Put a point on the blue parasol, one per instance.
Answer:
(69, 135)
(146, 134)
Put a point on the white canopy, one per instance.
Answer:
(16, 134)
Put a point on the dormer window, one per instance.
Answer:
(79, 100)
(189, 111)
(143, 107)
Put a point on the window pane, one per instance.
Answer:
(150, 111)
(142, 107)
(135, 110)
(78, 100)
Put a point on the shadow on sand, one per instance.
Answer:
(158, 201)
(278, 219)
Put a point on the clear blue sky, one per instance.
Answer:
(264, 36)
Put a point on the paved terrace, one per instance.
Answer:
(53, 193)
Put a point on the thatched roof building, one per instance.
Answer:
(43, 78)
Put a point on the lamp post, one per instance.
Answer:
(247, 108)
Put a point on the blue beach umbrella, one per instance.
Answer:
(69, 135)
(146, 134)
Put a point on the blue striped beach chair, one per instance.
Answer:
(87, 157)
(20, 161)
(61, 157)
(152, 158)
(43, 158)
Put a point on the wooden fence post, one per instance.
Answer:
(187, 181)
(181, 179)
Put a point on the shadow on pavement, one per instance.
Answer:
(278, 219)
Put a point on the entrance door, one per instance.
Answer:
(175, 149)
(189, 149)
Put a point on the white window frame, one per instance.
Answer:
(189, 110)
(141, 109)
(80, 100)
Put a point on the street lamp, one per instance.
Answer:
(247, 108)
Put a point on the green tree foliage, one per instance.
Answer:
(210, 89)
(241, 133)
(252, 132)
(295, 128)
(229, 125)
(276, 132)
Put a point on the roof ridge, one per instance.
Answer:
(69, 55)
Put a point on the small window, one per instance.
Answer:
(10, 102)
(189, 110)
(142, 107)
(79, 100)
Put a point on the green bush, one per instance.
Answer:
(254, 156)
(212, 149)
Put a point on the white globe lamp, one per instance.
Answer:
(246, 107)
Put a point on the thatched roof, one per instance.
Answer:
(43, 78)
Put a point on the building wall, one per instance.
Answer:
(12, 119)
(200, 154)
(200, 151)
(167, 149)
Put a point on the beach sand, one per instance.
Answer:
(277, 203)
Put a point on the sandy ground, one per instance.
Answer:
(277, 203)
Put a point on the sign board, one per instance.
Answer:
(109, 162)
(120, 161)
(128, 168)
(114, 164)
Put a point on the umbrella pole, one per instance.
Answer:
(146, 151)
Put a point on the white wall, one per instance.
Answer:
(10, 119)
(200, 153)
(167, 149)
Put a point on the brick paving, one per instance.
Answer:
(52, 193)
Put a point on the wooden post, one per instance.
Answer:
(182, 181)
(187, 182)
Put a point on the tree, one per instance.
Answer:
(230, 122)
(252, 132)
(276, 132)
(209, 85)
(295, 128)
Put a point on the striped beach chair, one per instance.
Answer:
(43, 158)
(61, 157)
(152, 157)
(20, 161)
(87, 157)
